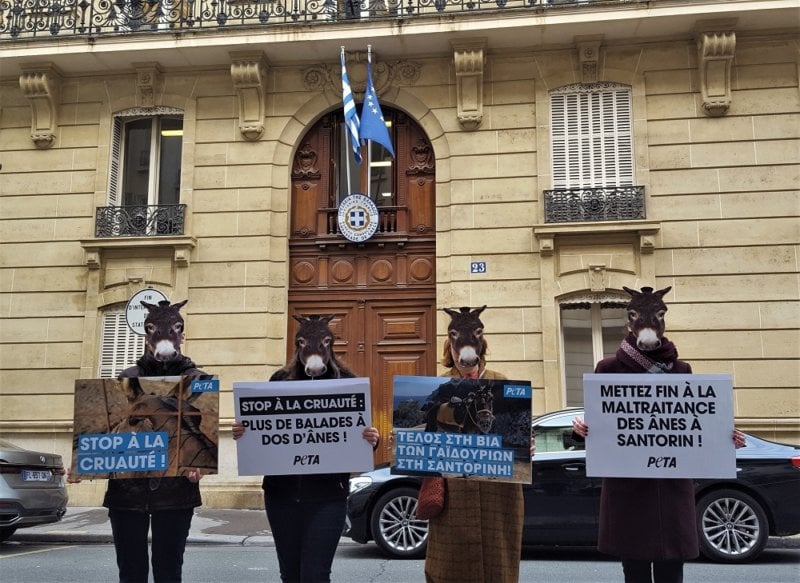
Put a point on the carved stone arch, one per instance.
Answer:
(322, 103)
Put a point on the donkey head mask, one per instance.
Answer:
(646, 312)
(465, 345)
(163, 330)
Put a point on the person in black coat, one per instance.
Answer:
(164, 505)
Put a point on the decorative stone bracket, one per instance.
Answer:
(469, 61)
(41, 85)
(148, 83)
(249, 73)
(589, 58)
(715, 58)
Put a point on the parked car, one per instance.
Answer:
(32, 488)
(734, 517)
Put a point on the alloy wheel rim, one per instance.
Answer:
(730, 526)
(400, 527)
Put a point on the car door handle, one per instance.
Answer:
(574, 467)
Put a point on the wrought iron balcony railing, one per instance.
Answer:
(140, 220)
(573, 205)
(23, 19)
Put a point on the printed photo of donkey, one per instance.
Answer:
(145, 427)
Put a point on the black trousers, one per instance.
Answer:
(170, 531)
(306, 534)
(653, 571)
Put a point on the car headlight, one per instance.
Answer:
(359, 483)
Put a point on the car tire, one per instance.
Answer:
(5, 533)
(395, 527)
(732, 526)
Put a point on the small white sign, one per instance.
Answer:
(303, 427)
(135, 312)
(358, 218)
(659, 425)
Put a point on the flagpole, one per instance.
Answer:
(347, 149)
(369, 141)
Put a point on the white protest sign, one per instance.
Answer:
(303, 427)
(659, 425)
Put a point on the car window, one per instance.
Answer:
(554, 433)
(556, 439)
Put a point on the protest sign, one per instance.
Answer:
(468, 428)
(659, 425)
(303, 427)
(145, 427)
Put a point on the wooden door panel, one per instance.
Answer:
(399, 342)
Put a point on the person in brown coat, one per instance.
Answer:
(648, 522)
(478, 536)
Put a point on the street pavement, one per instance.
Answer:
(209, 526)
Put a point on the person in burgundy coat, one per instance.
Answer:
(648, 522)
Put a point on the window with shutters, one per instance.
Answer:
(592, 137)
(591, 130)
(144, 175)
(590, 331)
(120, 347)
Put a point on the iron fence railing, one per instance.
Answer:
(25, 19)
(572, 205)
(140, 220)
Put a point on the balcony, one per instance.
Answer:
(140, 221)
(61, 18)
(576, 205)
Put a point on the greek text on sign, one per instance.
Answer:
(659, 426)
(358, 218)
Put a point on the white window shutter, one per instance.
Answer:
(116, 163)
(120, 347)
(592, 136)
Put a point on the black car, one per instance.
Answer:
(734, 517)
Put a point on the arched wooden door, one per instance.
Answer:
(382, 291)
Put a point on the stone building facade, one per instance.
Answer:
(710, 93)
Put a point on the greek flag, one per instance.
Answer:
(373, 126)
(350, 113)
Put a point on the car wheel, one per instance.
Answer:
(732, 526)
(5, 533)
(395, 527)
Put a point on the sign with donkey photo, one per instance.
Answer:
(478, 429)
(145, 427)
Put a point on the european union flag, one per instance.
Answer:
(373, 126)
(350, 113)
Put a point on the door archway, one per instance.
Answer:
(382, 291)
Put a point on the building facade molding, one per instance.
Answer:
(715, 51)
(385, 75)
(589, 58)
(41, 86)
(469, 60)
(249, 74)
(149, 80)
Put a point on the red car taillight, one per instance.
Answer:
(796, 461)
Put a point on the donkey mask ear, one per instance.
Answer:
(662, 292)
(631, 292)
(179, 305)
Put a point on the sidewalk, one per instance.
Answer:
(210, 526)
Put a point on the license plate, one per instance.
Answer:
(36, 475)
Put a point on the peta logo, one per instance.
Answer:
(306, 460)
(662, 462)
